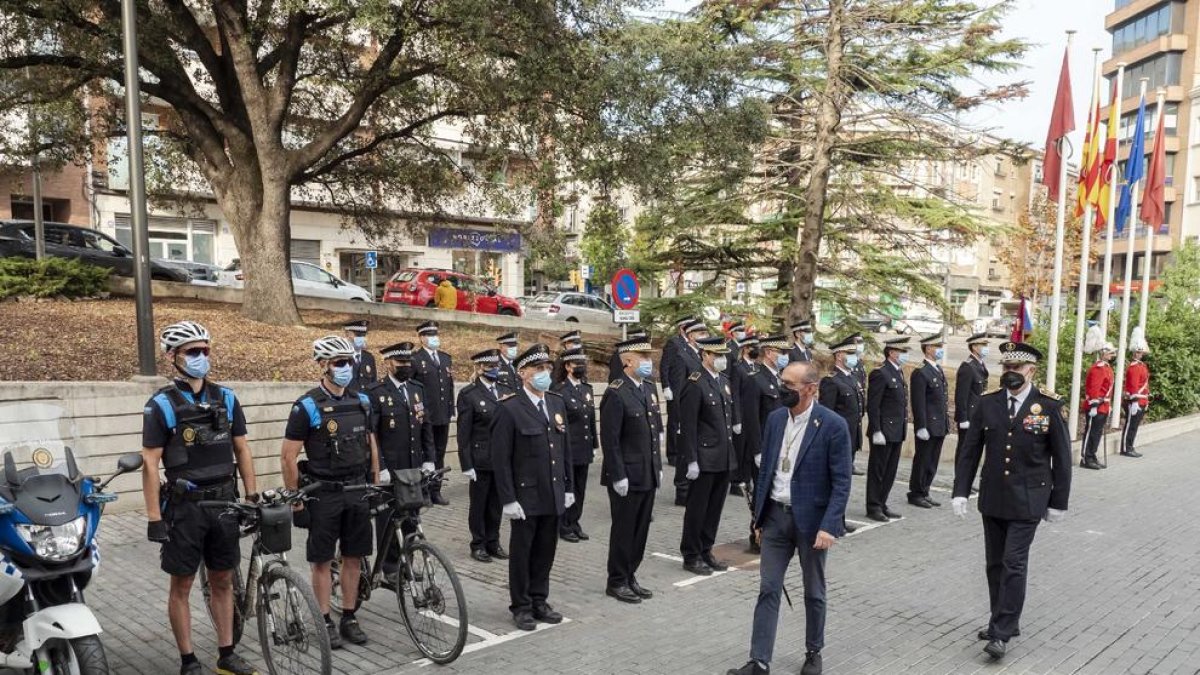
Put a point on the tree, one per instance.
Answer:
(1030, 255)
(604, 237)
(331, 103)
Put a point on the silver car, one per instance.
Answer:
(569, 306)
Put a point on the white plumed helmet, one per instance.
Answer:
(182, 333)
(1093, 340)
(332, 347)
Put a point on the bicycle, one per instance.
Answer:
(291, 628)
(435, 621)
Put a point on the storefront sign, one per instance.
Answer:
(479, 240)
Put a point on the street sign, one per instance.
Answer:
(740, 287)
(585, 271)
(627, 315)
(625, 289)
(372, 260)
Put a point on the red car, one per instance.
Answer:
(416, 287)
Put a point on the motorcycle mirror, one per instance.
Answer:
(129, 463)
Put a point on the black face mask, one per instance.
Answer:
(403, 373)
(579, 372)
(789, 398)
(754, 353)
(1012, 380)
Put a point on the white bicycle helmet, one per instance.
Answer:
(332, 347)
(182, 333)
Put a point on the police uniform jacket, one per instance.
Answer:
(751, 395)
(799, 352)
(531, 454)
(402, 428)
(706, 419)
(887, 402)
(581, 420)
(1026, 460)
(840, 393)
(768, 381)
(734, 355)
(666, 362)
(630, 427)
(615, 369)
(969, 385)
(683, 363)
(508, 375)
(476, 410)
(929, 400)
(438, 383)
(365, 371)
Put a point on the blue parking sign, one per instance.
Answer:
(372, 261)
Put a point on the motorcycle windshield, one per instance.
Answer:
(35, 440)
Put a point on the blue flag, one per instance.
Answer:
(1134, 168)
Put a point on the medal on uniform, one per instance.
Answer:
(392, 423)
(787, 464)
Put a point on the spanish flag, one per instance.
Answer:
(1090, 177)
(1109, 165)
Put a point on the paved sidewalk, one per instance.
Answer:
(1113, 589)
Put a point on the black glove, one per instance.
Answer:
(158, 532)
(301, 519)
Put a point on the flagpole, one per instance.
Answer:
(1085, 250)
(1161, 96)
(1114, 184)
(1059, 227)
(1115, 416)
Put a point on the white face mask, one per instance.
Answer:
(720, 363)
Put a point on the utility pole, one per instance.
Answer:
(137, 193)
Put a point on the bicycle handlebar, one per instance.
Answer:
(426, 476)
(267, 498)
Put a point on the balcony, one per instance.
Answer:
(1173, 42)
(1132, 8)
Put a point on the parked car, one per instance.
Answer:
(569, 306)
(920, 324)
(17, 239)
(202, 274)
(1000, 328)
(416, 287)
(875, 323)
(308, 280)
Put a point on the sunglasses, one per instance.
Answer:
(340, 363)
(196, 351)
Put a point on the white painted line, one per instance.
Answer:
(473, 630)
(497, 640)
(866, 527)
(698, 578)
(668, 556)
(864, 523)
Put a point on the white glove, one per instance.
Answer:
(385, 477)
(513, 511)
(428, 467)
(667, 394)
(878, 439)
(621, 487)
(964, 425)
(1135, 408)
(923, 434)
(1092, 411)
(959, 504)
(568, 500)
(737, 429)
(758, 459)
(1055, 515)
(470, 474)
(693, 471)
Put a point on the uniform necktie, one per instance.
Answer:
(542, 409)
(1012, 407)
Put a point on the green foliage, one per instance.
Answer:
(1066, 348)
(50, 277)
(604, 237)
(1173, 332)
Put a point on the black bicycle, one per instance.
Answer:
(291, 629)
(432, 604)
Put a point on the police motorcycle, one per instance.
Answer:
(49, 516)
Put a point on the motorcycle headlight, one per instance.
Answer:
(55, 543)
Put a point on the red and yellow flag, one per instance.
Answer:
(1090, 175)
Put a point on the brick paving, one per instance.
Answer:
(1113, 589)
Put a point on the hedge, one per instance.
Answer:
(50, 277)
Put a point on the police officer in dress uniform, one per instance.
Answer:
(931, 420)
(802, 334)
(197, 429)
(860, 374)
(333, 424)
(477, 406)
(365, 371)
(433, 372)
(748, 395)
(686, 361)
(507, 345)
(707, 416)
(630, 425)
(666, 369)
(570, 382)
(839, 391)
(887, 410)
(737, 333)
(615, 369)
(571, 340)
(774, 360)
(1097, 404)
(531, 453)
(969, 384)
(1026, 478)
(1137, 397)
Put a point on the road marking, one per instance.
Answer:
(497, 640)
(698, 578)
(473, 630)
(865, 527)
(668, 556)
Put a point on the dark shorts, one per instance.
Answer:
(200, 535)
(338, 518)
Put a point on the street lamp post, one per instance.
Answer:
(137, 193)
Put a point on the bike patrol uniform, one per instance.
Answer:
(577, 394)
(931, 415)
(507, 348)
(1136, 399)
(887, 415)
(365, 371)
(1097, 405)
(802, 333)
(434, 373)
(477, 406)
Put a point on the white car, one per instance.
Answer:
(922, 324)
(569, 306)
(307, 280)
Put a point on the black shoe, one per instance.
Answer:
(335, 638)
(985, 635)
(812, 664)
(352, 632)
(933, 502)
(850, 529)
(193, 668)
(498, 553)
(639, 591)
(751, 668)
(524, 621)
(623, 593)
(697, 566)
(235, 665)
(569, 536)
(716, 565)
(735, 489)
(546, 613)
(1131, 453)
(581, 534)
(680, 498)
(437, 499)
(877, 516)
(996, 649)
(919, 502)
(892, 515)
(1090, 464)
(480, 555)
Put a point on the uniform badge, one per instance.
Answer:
(189, 435)
(727, 392)
(43, 458)
(332, 426)
(482, 405)
(1036, 408)
(392, 423)
(367, 368)
(391, 403)
(416, 397)
(558, 419)
(588, 396)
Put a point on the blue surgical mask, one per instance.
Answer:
(939, 354)
(341, 376)
(196, 366)
(645, 368)
(902, 358)
(808, 338)
(541, 380)
(360, 342)
(852, 360)
(862, 348)
(492, 374)
(781, 361)
(433, 342)
(510, 353)
(983, 352)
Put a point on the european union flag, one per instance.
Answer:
(1134, 168)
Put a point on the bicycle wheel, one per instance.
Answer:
(291, 629)
(239, 598)
(432, 603)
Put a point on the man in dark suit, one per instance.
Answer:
(365, 371)
(477, 405)
(931, 421)
(799, 506)
(630, 424)
(433, 372)
(615, 368)
(531, 453)
(969, 384)
(686, 362)
(748, 395)
(577, 394)
(840, 393)
(803, 337)
(1021, 435)
(666, 370)
(887, 412)
(507, 346)
(707, 417)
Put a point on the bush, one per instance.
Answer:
(50, 277)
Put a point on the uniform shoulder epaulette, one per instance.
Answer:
(616, 384)
(1049, 394)
(505, 397)
(695, 376)
(375, 385)
(997, 390)
(554, 393)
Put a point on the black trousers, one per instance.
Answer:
(672, 422)
(531, 548)
(924, 466)
(745, 459)
(441, 434)
(483, 515)
(1093, 433)
(570, 518)
(631, 516)
(1129, 435)
(1006, 550)
(881, 473)
(702, 515)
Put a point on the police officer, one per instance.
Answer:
(507, 345)
(571, 340)
(969, 384)
(570, 382)
(839, 391)
(748, 395)
(1137, 397)
(333, 424)
(630, 424)
(615, 368)
(365, 371)
(887, 410)
(707, 416)
(1026, 478)
(531, 453)
(1097, 404)
(477, 405)
(802, 334)
(860, 374)
(666, 367)
(686, 361)
(931, 420)
(737, 333)
(433, 372)
(197, 429)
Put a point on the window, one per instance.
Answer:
(1148, 27)
(98, 242)
(309, 273)
(1162, 70)
(306, 250)
(1195, 189)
